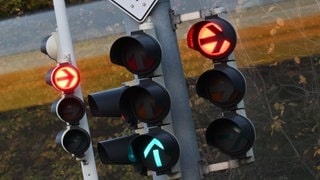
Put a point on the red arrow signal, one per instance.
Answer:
(214, 38)
(69, 77)
(65, 77)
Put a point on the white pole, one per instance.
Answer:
(88, 164)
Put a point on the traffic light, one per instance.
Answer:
(69, 108)
(224, 86)
(148, 102)
(64, 77)
(144, 100)
(157, 150)
(49, 46)
(214, 38)
(233, 134)
(74, 140)
(139, 53)
(117, 151)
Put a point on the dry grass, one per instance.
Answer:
(270, 43)
(27, 88)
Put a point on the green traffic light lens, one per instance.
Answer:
(158, 150)
(232, 134)
(76, 141)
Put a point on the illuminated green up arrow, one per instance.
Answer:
(156, 155)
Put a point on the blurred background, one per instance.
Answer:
(278, 51)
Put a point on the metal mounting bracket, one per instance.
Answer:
(201, 14)
(231, 164)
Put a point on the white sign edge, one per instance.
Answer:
(131, 15)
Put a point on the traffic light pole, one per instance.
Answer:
(88, 165)
(175, 82)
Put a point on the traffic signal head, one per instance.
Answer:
(106, 103)
(232, 134)
(117, 150)
(49, 46)
(74, 140)
(157, 150)
(224, 86)
(148, 102)
(69, 109)
(140, 53)
(214, 38)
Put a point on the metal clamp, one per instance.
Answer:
(231, 164)
(201, 14)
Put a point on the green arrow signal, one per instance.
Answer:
(157, 158)
(156, 155)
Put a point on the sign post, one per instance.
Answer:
(88, 165)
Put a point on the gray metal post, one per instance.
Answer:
(88, 165)
(175, 82)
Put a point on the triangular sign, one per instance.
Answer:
(137, 9)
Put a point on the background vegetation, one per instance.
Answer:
(282, 101)
(21, 7)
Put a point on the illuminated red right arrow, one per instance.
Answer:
(217, 38)
(69, 78)
(212, 40)
(65, 77)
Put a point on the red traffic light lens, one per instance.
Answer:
(74, 140)
(69, 109)
(139, 53)
(64, 77)
(214, 38)
(224, 86)
(136, 59)
(233, 134)
(190, 37)
(149, 102)
(210, 42)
